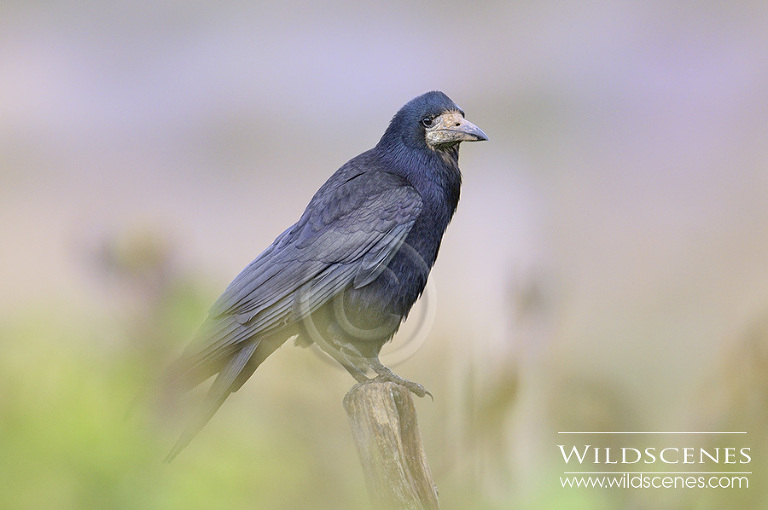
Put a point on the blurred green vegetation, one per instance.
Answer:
(81, 427)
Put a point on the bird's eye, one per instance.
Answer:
(428, 121)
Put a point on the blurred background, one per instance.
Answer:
(606, 268)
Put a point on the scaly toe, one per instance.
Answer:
(415, 388)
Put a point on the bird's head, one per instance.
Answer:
(431, 121)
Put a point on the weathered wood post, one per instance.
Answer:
(387, 436)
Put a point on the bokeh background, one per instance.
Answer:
(606, 269)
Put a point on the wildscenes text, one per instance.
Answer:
(643, 481)
(672, 455)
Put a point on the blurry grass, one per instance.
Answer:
(65, 441)
(68, 376)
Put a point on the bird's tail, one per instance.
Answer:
(229, 379)
(217, 394)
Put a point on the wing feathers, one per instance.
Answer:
(346, 236)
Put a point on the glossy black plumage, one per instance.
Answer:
(348, 272)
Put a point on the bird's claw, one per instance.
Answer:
(415, 388)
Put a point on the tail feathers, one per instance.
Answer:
(226, 382)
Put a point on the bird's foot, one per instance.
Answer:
(385, 374)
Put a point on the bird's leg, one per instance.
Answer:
(351, 368)
(345, 361)
(336, 351)
(385, 374)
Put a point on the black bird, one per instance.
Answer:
(348, 272)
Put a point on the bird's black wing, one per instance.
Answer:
(348, 234)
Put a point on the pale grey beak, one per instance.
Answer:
(452, 127)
